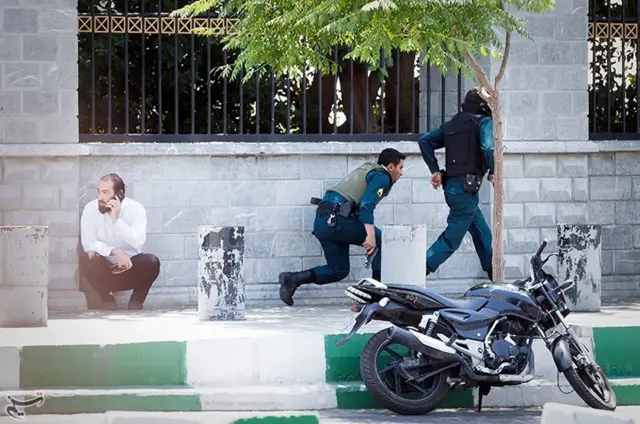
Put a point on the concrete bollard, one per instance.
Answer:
(24, 276)
(404, 250)
(579, 260)
(221, 291)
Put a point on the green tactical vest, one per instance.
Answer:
(353, 186)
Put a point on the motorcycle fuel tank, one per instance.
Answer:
(506, 298)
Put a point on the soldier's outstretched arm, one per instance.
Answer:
(429, 143)
(486, 142)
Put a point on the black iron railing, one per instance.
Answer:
(145, 76)
(614, 52)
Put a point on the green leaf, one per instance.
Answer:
(289, 36)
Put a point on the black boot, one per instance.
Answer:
(376, 275)
(290, 281)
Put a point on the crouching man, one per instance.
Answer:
(345, 217)
(113, 230)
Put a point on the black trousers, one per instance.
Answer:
(139, 278)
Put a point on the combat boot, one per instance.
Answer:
(290, 281)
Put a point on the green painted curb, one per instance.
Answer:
(81, 404)
(137, 364)
(626, 394)
(614, 352)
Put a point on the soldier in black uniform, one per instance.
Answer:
(468, 142)
(345, 217)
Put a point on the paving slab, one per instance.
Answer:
(163, 325)
(97, 327)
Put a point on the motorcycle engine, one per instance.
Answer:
(507, 350)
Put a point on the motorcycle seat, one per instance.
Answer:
(474, 303)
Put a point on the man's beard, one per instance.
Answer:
(103, 209)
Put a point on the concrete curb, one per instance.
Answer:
(124, 417)
(554, 413)
(280, 371)
(210, 417)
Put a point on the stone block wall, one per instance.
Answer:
(545, 89)
(39, 113)
(553, 172)
(614, 202)
(269, 195)
(541, 190)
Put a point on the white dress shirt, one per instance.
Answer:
(100, 234)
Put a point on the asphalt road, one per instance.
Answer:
(447, 417)
(437, 417)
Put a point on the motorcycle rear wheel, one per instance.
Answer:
(380, 389)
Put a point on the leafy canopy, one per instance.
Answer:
(289, 35)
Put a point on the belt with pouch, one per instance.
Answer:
(471, 182)
(347, 209)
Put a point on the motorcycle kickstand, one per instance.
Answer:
(482, 391)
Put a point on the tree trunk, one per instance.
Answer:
(498, 199)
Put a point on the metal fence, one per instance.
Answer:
(614, 51)
(144, 76)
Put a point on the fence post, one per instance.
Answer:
(221, 291)
(24, 276)
(579, 260)
(404, 249)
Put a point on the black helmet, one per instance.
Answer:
(473, 97)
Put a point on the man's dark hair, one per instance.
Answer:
(118, 183)
(390, 155)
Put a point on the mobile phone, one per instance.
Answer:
(120, 195)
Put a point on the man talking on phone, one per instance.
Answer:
(113, 230)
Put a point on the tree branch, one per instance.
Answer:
(505, 56)
(482, 76)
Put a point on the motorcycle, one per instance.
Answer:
(484, 340)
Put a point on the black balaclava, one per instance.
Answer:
(475, 104)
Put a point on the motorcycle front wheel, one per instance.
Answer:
(400, 381)
(590, 383)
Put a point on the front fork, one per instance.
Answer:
(560, 347)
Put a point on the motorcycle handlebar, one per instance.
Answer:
(541, 248)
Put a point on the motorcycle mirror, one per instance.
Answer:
(565, 286)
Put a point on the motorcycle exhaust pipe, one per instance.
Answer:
(427, 345)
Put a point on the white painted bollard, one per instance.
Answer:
(404, 250)
(24, 276)
(579, 259)
(221, 291)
